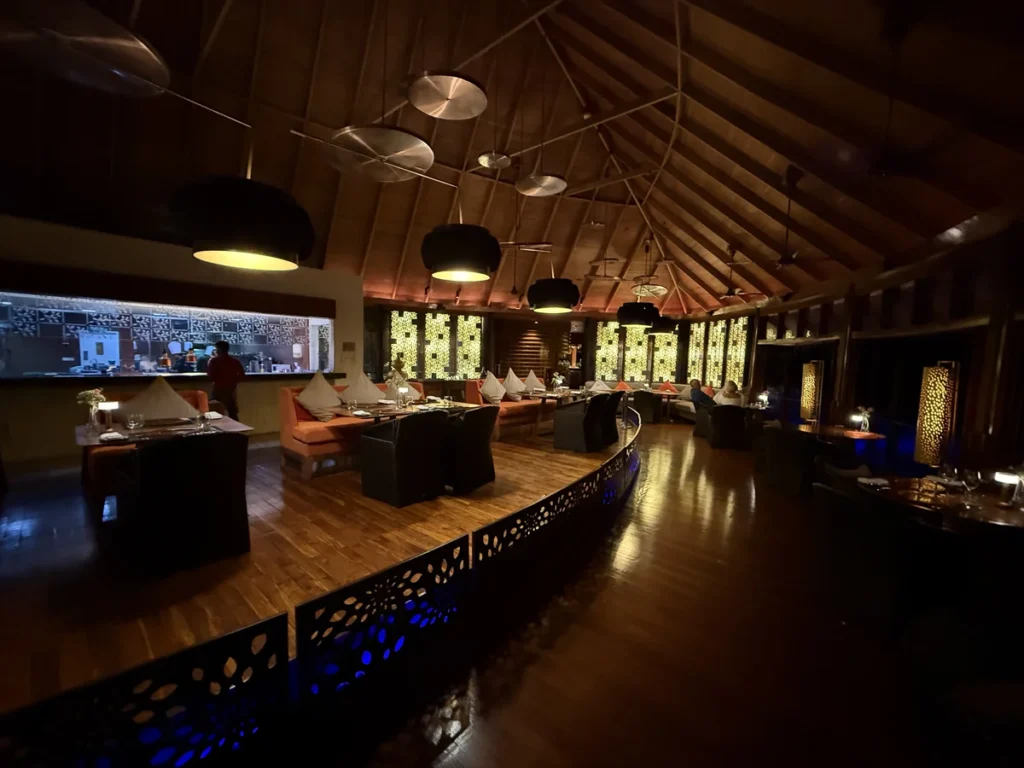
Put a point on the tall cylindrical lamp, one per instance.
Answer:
(935, 413)
(810, 391)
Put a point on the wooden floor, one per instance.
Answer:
(700, 636)
(65, 624)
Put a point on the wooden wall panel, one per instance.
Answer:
(526, 344)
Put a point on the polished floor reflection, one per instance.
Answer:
(699, 635)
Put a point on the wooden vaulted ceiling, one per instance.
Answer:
(692, 110)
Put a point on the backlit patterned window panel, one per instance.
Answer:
(403, 340)
(771, 331)
(666, 352)
(935, 414)
(736, 361)
(695, 357)
(437, 345)
(607, 351)
(790, 334)
(810, 391)
(468, 332)
(634, 366)
(716, 353)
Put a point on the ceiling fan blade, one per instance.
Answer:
(511, 244)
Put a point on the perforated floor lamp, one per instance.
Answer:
(936, 411)
(810, 391)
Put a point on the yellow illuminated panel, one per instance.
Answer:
(771, 332)
(403, 340)
(634, 365)
(790, 334)
(468, 332)
(666, 353)
(607, 351)
(716, 353)
(935, 414)
(695, 356)
(736, 359)
(437, 345)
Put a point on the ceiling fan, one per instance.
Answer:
(602, 263)
(644, 285)
(531, 247)
(733, 290)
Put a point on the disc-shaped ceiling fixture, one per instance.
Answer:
(541, 185)
(494, 160)
(637, 314)
(362, 148)
(460, 253)
(662, 326)
(447, 95)
(646, 289)
(244, 224)
(71, 40)
(553, 296)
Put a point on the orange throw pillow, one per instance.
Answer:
(623, 386)
(668, 386)
(709, 391)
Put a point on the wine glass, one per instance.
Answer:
(134, 421)
(972, 481)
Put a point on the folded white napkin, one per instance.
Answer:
(433, 399)
(213, 415)
(361, 413)
(873, 482)
(946, 481)
(111, 436)
(382, 401)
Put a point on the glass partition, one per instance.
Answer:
(54, 336)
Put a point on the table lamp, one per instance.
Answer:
(108, 407)
(762, 399)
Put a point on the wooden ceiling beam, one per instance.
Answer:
(310, 89)
(605, 243)
(641, 235)
(210, 39)
(726, 180)
(808, 111)
(583, 220)
(777, 143)
(607, 181)
(952, 107)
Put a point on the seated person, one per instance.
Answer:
(698, 397)
(729, 395)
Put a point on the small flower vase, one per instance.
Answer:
(93, 426)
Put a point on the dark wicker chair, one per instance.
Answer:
(789, 460)
(401, 460)
(578, 425)
(468, 463)
(609, 418)
(162, 527)
(728, 427)
(648, 405)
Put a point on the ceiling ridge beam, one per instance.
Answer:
(309, 91)
(218, 23)
(790, 102)
(731, 214)
(781, 145)
(950, 107)
(607, 181)
(756, 200)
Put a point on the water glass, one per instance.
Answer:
(972, 481)
(134, 421)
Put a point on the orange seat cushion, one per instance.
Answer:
(523, 412)
(342, 430)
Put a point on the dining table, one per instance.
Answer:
(378, 413)
(939, 503)
(87, 438)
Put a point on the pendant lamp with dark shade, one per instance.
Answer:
(662, 326)
(637, 314)
(553, 296)
(244, 224)
(460, 253)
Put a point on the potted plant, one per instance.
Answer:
(92, 398)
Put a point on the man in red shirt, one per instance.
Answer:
(226, 371)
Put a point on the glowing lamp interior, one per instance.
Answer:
(259, 262)
(461, 276)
